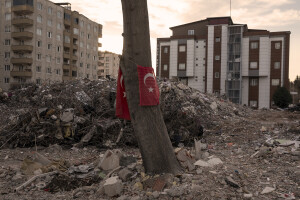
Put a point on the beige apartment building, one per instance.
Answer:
(108, 64)
(44, 42)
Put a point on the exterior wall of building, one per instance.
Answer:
(44, 44)
(209, 45)
(109, 64)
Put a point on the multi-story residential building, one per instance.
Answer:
(108, 64)
(218, 56)
(46, 42)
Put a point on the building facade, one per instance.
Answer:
(217, 56)
(108, 64)
(44, 42)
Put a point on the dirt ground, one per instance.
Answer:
(245, 146)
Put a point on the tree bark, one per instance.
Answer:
(149, 127)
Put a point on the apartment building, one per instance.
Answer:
(44, 42)
(218, 56)
(108, 65)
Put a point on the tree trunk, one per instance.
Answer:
(149, 127)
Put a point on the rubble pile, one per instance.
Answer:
(82, 111)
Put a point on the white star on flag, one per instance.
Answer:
(150, 89)
(124, 94)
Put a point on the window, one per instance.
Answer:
(88, 46)
(165, 67)
(58, 48)
(39, 31)
(48, 58)
(7, 67)
(89, 26)
(58, 71)
(275, 82)
(49, 22)
(81, 44)
(50, 10)
(7, 16)
(81, 23)
(7, 55)
(39, 19)
(218, 39)
(95, 29)
(39, 43)
(39, 56)
(253, 104)
(254, 45)
(38, 68)
(217, 75)
(58, 37)
(67, 39)
(181, 66)
(49, 34)
(39, 6)
(58, 26)
(81, 54)
(81, 64)
(49, 70)
(217, 57)
(94, 57)
(276, 65)
(87, 66)
(76, 31)
(191, 32)
(6, 80)
(253, 82)
(81, 34)
(87, 76)
(277, 45)
(107, 59)
(253, 65)
(7, 29)
(107, 65)
(38, 81)
(7, 42)
(166, 50)
(182, 48)
(58, 60)
(88, 36)
(49, 46)
(59, 14)
(7, 4)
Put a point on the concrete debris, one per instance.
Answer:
(214, 161)
(113, 186)
(125, 174)
(267, 190)
(231, 182)
(110, 161)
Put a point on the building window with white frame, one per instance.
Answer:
(49, 46)
(49, 70)
(58, 37)
(7, 4)
(58, 48)
(39, 19)
(182, 48)
(59, 14)
(39, 6)
(218, 39)
(39, 31)
(191, 32)
(48, 58)
(58, 60)
(6, 80)
(181, 66)
(39, 56)
(276, 65)
(165, 67)
(7, 28)
(166, 49)
(38, 81)
(39, 43)
(254, 45)
(50, 10)
(275, 82)
(253, 65)
(277, 45)
(217, 75)
(7, 16)
(253, 82)
(49, 34)
(7, 55)
(217, 57)
(49, 22)
(7, 42)
(38, 68)
(7, 67)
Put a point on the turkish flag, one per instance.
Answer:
(149, 92)
(122, 110)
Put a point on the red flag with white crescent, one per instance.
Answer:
(122, 110)
(149, 92)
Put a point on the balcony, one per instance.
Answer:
(20, 61)
(22, 22)
(74, 57)
(21, 48)
(66, 67)
(99, 44)
(66, 55)
(68, 45)
(22, 9)
(75, 46)
(25, 35)
(21, 73)
(67, 22)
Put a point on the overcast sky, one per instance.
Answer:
(273, 15)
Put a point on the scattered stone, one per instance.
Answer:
(231, 182)
(125, 174)
(202, 163)
(110, 161)
(214, 161)
(248, 196)
(113, 186)
(214, 106)
(267, 190)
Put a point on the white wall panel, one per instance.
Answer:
(190, 59)
(245, 90)
(224, 41)
(173, 58)
(245, 57)
(210, 59)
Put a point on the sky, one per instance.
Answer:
(273, 15)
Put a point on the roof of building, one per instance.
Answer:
(210, 20)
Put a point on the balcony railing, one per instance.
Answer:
(22, 9)
(22, 35)
(22, 22)
(22, 48)
(27, 73)
(25, 60)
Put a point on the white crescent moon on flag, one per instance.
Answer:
(147, 76)
(121, 80)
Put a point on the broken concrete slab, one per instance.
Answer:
(113, 186)
(125, 174)
(109, 161)
(267, 190)
(214, 161)
(202, 163)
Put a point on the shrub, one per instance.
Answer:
(282, 97)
